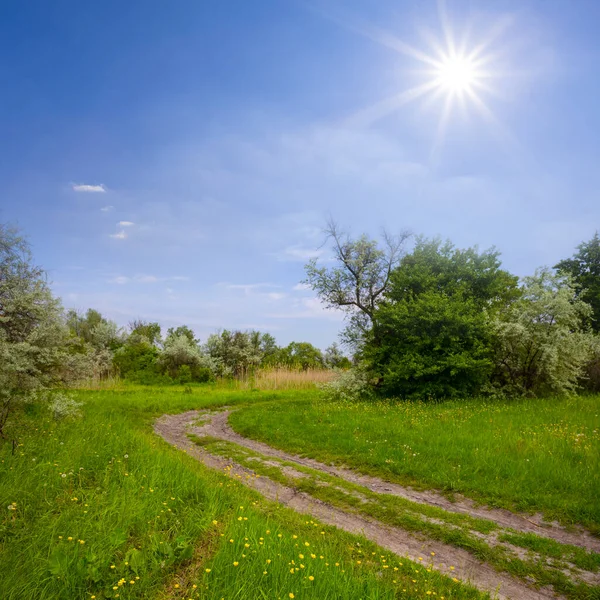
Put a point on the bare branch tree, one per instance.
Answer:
(361, 276)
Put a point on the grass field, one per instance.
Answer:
(100, 507)
(527, 455)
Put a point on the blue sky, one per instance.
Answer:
(177, 161)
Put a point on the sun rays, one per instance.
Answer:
(454, 73)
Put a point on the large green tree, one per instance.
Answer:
(32, 332)
(584, 269)
(432, 334)
(543, 343)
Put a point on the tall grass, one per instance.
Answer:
(284, 378)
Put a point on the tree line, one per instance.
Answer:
(445, 322)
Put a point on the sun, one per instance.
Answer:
(453, 73)
(457, 75)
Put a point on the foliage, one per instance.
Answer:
(137, 359)
(359, 279)
(334, 358)
(236, 353)
(541, 343)
(174, 332)
(146, 329)
(432, 334)
(584, 269)
(32, 334)
(94, 329)
(350, 385)
(300, 355)
(181, 359)
(63, 406)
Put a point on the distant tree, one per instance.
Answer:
(235, 353)
(182, 355)
(150, 331)
(301, 355)
(432, 335)
(542, 344)
(584, 269)
(32, 333)
(334, 358)
(359, 279)
(174, 332)
(92, 328)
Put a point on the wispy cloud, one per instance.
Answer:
(301, 287)
(107, 208)
(85, 187)
(125, 224)
(120, 235)
(299, 253)
(145, 278)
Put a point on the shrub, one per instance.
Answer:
(349, 386)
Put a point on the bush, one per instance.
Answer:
(349, 386)
(137, 359)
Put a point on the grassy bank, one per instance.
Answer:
(100, 507)
(527, 455)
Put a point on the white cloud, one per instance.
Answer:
(84, 187)
(146, 278)
(276, 296)
(125, 224)
(299, 253)
(301, 287)
(121, 280)
(121, 235)
(107, 208)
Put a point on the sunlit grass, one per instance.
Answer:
(529, 455)
(101, 507)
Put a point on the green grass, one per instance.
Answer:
(450, 528)
(526, 455)
(101, 502)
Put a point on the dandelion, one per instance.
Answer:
(311, 578)
(236, 563)
(291, 595)
(207, 570)
(268, 561)
(176, 585)
(215, 522)
(132, 582)
(70, 539)
(112, 567)
(82, 542)
(300, 555)
(306, 544)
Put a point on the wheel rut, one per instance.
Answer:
(175, 429)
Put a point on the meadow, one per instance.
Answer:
(100, 507)
(526, 455)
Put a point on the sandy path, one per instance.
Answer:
(174, 429)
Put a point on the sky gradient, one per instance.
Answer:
(177, 161)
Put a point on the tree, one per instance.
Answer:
(181, 354)
(92, 328)
(584, 269)
(358, 281)
(542, 343)
(334, 358)
(182, 330)
(235, 352)
(301, 355)
(150, 331)
(32, 332)
(432, 332)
